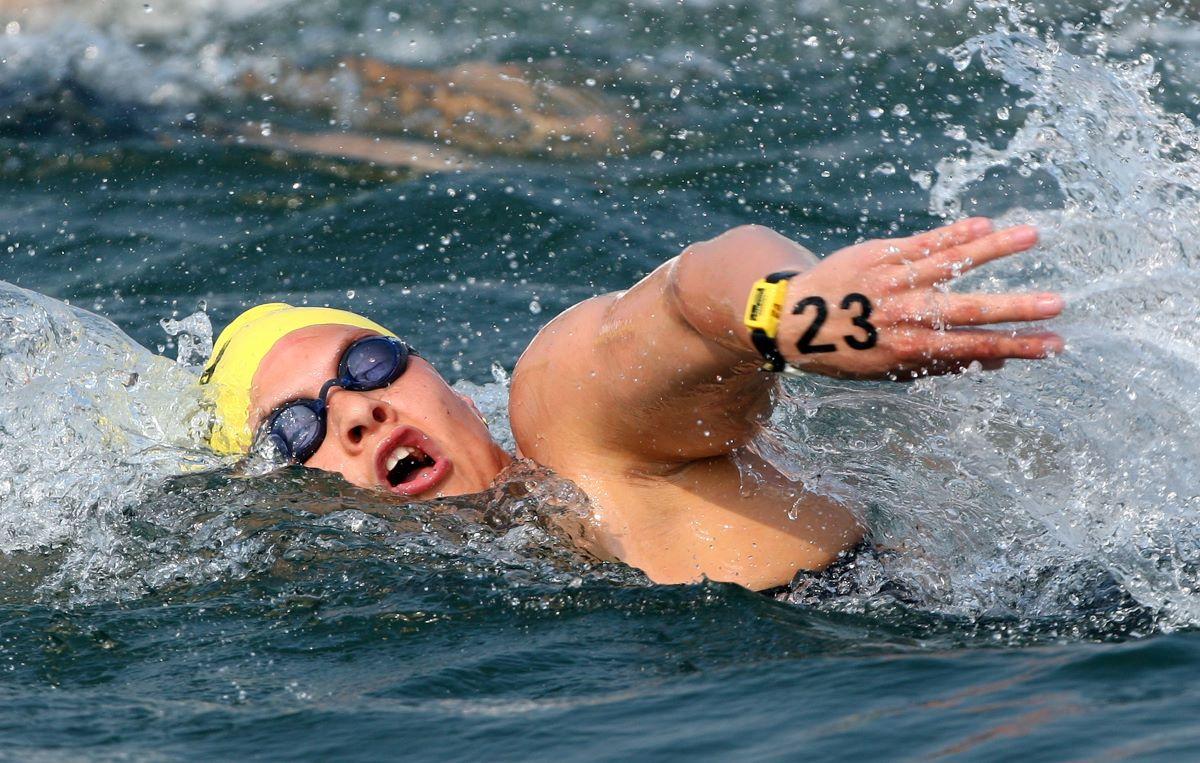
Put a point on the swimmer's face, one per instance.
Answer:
(450, 449)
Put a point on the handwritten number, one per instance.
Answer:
(805, 345)
(871, 338)
(861, 321)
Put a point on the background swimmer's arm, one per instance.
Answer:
(666, 371)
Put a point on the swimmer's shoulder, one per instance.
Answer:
(553, 397)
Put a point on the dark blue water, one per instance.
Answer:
(156, 603)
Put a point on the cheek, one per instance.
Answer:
(425, 399)
(327, 459)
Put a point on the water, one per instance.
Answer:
(1042, 572)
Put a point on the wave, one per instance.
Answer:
(1017, 493)
(1023, 494)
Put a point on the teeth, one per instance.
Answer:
(397, 454)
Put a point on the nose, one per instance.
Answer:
(354, 417)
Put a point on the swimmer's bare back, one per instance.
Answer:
(477, 109)
(420, 119)
(644, 397)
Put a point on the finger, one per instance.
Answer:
(939, 368)
(961, 232)
(957, 260)
(967, 345)
(942, 310)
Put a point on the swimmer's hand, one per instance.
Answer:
(880, 309)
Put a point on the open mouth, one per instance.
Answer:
(410, 463)
(404, 462)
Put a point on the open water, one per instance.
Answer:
(1041, 593)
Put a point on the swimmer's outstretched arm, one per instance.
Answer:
(876, 310)
(666, 371)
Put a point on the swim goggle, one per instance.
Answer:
(297, 428)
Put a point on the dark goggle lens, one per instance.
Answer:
(297, 430)
(373, 363)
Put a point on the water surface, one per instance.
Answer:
(1040, 598)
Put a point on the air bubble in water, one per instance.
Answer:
(923, 179)
(961, 57)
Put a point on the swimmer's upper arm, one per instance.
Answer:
(662, 372)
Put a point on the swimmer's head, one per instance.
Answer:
(415, 436)
(238, 352)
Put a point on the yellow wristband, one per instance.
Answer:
(764, 305)
(763, 308)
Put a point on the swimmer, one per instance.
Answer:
(644, 398)
(420, 119)
(468, 110)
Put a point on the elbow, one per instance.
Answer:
(750, 235)
(709, 281)
(746, 249)
(741, 241)
(752, 238)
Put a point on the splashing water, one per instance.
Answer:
(1023, 493)
(1030, 491)
(108, 491)
(91, 422)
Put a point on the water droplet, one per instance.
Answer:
(958, 132)
(960, 57)
(900, 110)
(146, 8)
(535, 307)
(393, 16)
(923, 179)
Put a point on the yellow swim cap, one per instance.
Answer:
(240, 349)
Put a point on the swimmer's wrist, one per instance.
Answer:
(762, 318)
(801, 319)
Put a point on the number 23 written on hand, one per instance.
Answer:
(871, 334)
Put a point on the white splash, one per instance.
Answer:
(1020, 492)
(90, 422)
